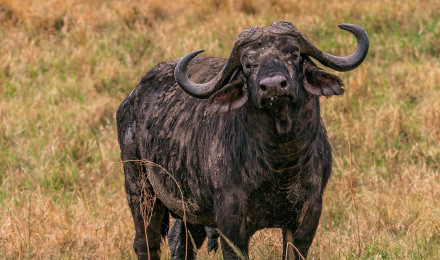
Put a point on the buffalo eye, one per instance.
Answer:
(249, 66)
(249, 61)
(295, 55)
(290, 52)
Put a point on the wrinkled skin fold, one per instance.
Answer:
(240, 143)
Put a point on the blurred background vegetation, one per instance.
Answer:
(65, 66)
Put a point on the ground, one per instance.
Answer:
(65, 66)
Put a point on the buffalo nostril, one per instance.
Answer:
(263, 87)
(284, 84)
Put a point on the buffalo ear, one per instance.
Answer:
(321, 83)
(232, 96)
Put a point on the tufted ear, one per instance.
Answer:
(319, 82)
(232, 96)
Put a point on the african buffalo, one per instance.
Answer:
(242, 149)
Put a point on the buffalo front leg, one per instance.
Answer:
(234, 246)
(182, 243)
(233, 229)
(296, 242)
(149, 214)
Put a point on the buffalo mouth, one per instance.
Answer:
(279, 107)
(276, 103)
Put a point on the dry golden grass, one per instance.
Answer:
(66, 65)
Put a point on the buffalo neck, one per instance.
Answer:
(283, 152)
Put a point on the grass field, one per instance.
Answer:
(65, 66)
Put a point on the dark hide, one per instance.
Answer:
(249, 157)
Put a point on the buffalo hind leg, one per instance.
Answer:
(212, 235)
(297, 241)
(177, 238)
(142, 203)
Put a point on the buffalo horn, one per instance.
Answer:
(337, 63)
(343, 63)
(204, 90)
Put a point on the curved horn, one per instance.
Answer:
(204, 90)
(343, 63)
(337, 63)
(197, 90)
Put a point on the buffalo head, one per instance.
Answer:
(271, 68)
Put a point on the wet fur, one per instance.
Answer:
(236, 171)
